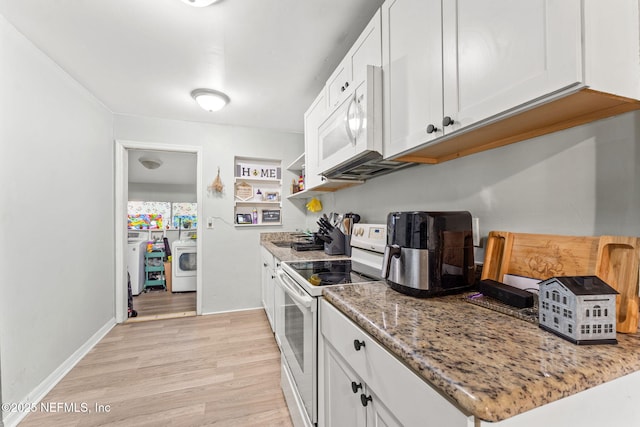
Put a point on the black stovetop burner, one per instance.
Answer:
(323, 273)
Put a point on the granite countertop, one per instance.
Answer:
(288, 254)
(493, 365)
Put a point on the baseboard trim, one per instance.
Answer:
(37, 394)
(232, 311)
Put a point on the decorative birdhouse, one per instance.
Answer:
(580, 309)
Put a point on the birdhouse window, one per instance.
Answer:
(608, 328)
(564, 300)
(597, 329)
(597, 311)
(606, 312)
(555, 296)
(569, 328)
(585, 329)
(587, 313)
(556, 321)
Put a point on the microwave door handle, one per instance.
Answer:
(347, 123)
(290, 288)
(361, 118)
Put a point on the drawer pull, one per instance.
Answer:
(355, 386)
(365, 399)
(432, 129)
(358, 344)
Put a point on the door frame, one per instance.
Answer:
(122, 148)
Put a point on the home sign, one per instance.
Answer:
(256, 171)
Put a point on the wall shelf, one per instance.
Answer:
(257, 192)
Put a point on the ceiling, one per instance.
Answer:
(144, 57)
(176, 169)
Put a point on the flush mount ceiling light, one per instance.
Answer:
(209, 99)
(199, 3)
(150, 163)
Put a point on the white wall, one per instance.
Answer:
(581, 181)
(56, 216)
(231, 257)
(162, 192)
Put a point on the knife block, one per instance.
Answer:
(336, 247)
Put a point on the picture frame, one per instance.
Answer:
(271, 215)
(271, 196)
(244, 219)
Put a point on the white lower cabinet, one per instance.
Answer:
(269, 264)
(362, 384)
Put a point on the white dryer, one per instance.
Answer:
(183, 265)
(136, 247)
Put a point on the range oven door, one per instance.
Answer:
(296, 331)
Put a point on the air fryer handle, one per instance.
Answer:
(389, 251)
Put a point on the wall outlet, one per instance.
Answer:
(475, 225)
(210, 222)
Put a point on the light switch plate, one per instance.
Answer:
(475, 225)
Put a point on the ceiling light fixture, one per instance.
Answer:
(209, 99)
(199, 3)
(150, 163)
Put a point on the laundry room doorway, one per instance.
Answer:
(158, 247)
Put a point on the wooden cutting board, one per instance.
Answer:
(614, 259)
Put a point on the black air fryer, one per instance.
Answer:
(429, 253)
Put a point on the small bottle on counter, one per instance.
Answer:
(254, 216)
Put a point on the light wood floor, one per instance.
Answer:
(221, 369)
(158, 304)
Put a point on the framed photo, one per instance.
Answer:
(243, 219)
(271, 215)
(271, 196)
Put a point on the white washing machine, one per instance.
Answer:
(183, 265)
(136, 247)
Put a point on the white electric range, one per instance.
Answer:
(299, 286)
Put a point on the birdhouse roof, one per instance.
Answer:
(582, 285)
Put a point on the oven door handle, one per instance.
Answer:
(289, 286)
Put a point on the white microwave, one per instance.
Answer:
(350, 139)
(354, 128)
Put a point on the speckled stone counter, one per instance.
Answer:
(493, 365)
(288, 254)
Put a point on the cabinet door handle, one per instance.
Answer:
(447, 121)
(365, 399)
(355, 386)
(431, 129)
(358, 344)
(264, 264)
(346, 84)
(342, 89)
(273, 277)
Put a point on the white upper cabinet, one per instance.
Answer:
(449, 64)
(352, 70)
(412, 73)
(500, 54)
(462, 76)
(312, 120)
